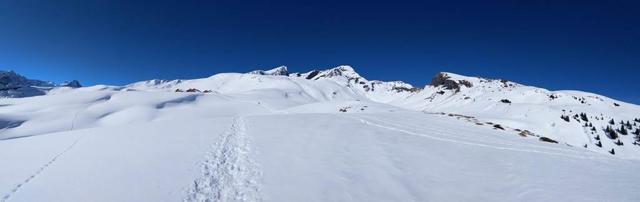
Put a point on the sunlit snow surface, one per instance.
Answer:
(270, 138)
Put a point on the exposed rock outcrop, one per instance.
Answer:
(278, 71)
(443, 79)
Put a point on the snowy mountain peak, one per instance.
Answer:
(456, 82)
(14, 85)
(13, 80)
(72, 84)
(278, 71)
(344, 71)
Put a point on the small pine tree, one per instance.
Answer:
(613, 152)
(597, 137)
(628, 125)
(599, 144)
(619, 143)
(622, 130)
(565, 118)
(612, 122)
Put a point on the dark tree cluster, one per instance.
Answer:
(505, 101)
(583, 116)
(576, 117)
(636, 136)
(611, 133)
(619, 143)
(565, 118)
(581, 99)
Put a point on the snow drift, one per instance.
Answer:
(323, 135)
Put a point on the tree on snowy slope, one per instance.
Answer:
(622, 130)
(583, 116)
(611, 133)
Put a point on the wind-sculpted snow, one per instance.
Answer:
(326, 135)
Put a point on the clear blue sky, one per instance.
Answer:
(581, 45)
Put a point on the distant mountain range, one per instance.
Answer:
(14, 85)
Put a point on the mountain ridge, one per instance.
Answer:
(337, 137)
(541, 112)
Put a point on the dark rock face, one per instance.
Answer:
(9, 80)
(314, 73)
(546, 139)
(72, 84)
(403, 89)
(15, 85)
(335, 72)
(465, 83)
(442, 79)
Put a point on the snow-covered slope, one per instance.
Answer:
(576, 118)
(572, 117)
(328, 135)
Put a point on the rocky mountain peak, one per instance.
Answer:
(72, 84)
(278, 71)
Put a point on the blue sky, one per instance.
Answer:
(581, 45)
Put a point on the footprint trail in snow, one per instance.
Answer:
(229, 174)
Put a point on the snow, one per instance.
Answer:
(278, 71)
(277, 137)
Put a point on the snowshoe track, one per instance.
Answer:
(229, 174)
